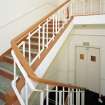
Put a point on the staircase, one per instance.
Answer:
(6, 77)
(28, 51)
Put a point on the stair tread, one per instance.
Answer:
(5, 84)
(2, 102)
(7, 67)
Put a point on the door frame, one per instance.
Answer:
(75, 63)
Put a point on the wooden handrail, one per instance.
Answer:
(53, 83)
(24, 34)
(31, 73)
(22, 59)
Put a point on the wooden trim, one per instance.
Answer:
(52, 83)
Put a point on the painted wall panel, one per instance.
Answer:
(95, 39)
(63, 66)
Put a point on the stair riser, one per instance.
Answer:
(7, 59)
(27, 56)
(6, 74)
(41, 38)
(33, 46)
(51, 25)
(41, 35)
(51, 22)
(36, 40)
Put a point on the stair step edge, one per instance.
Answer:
(10, 57)
(5, 70)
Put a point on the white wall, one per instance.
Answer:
(17, 15)
(95, 19)
(42, 68)
(95, 35)
(59, 68)
(63, 66)
(56, 2)
(102, 6)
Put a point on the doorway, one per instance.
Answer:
(88, 68)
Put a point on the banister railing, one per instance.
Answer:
(30, 87)
(25, 54)
(20, 40)
(31, 29)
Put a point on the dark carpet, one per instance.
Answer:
(91, 98)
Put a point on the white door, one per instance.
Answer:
(87, 68)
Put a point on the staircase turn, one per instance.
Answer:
(28, 51)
